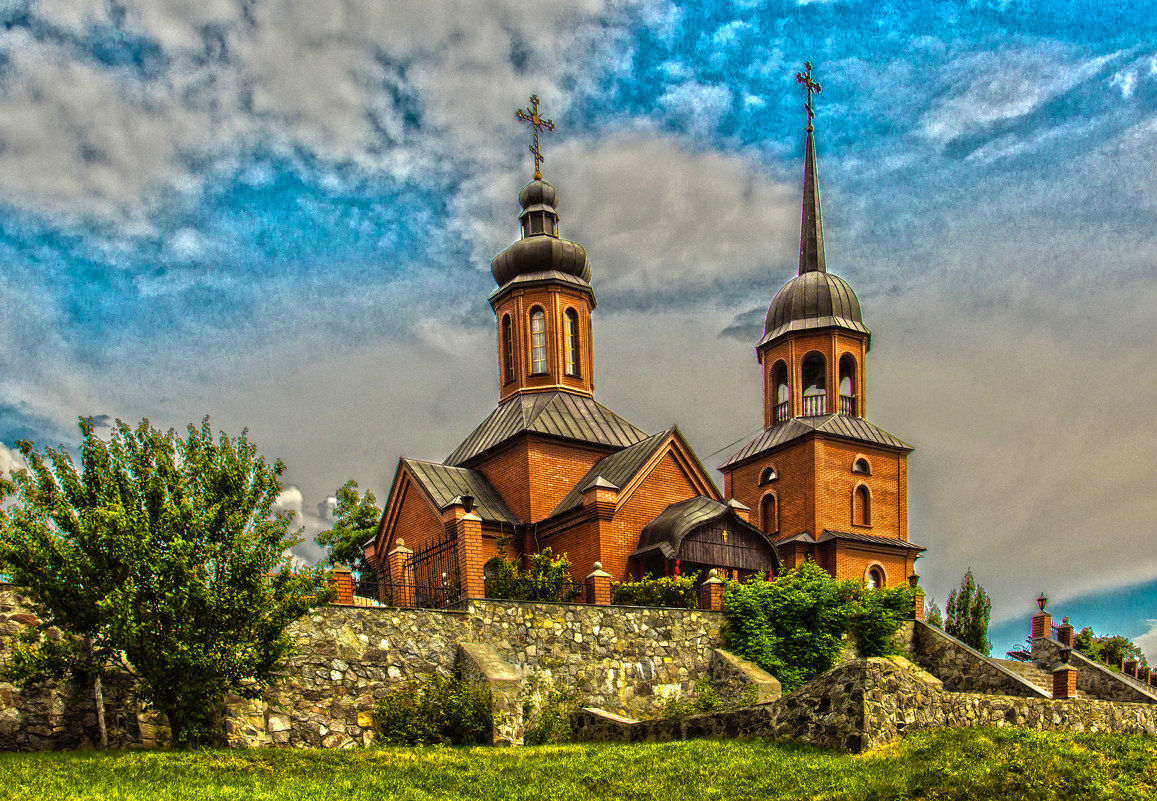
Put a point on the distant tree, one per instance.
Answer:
(356, 521)
(162, 554)
(1110, 649)
(967, 614)
(933, 615)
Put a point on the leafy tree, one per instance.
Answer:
(547, 579)
(967, 614)
(164, 555)
(1110, 649)
(933, 616)
(356, 521)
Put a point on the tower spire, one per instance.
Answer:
(811, 235)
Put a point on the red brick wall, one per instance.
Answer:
(554, 299)
(833, 344)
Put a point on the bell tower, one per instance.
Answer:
(820, 479)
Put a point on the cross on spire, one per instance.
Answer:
(537, 123)
(805, 78)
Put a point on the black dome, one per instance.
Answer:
(813, 300)
(541, 249)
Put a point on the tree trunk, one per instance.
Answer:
(97, 696)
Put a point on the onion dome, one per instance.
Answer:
(540, 250)
(815, 298)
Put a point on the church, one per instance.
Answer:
(553, 468)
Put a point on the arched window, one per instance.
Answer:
(861, 466)
(815, 393)
(537, 341)
(507, 350)
(875, 577)
(782, 394)
(848, 385)
(570, 345)
(768, 475)
(769, 513)
(861, 507)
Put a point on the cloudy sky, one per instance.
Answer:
(281, 214)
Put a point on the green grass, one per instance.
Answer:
(958, 764)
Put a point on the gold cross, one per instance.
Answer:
(530, 115)
(805, 78)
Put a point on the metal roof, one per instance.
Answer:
(837, 425)
(666, 532)
(558, 414)
(889, 542)
(444, 484)
(618, 469)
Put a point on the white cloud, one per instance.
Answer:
(10, 460)
(1125, 81)
(700, 107)
(994, 86)
(1147, 642)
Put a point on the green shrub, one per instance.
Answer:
(677, 592)
(794, 627)
(548, 579)
(548, 719)
(442, 710)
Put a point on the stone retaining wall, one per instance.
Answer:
(964, 669)
(1094, 679)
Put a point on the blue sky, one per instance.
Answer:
(281, 214)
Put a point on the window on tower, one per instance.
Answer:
(507, 350)
(848, 385)
(570, 343)
(537, 341)
(769, 514)
(861, 507)
(782, 396)
(815, 393)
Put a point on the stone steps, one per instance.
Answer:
(1029, 672)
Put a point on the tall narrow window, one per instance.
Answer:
(814, 385)
(861, 507)
(537, 341)
(507, 350)
(769, 514)
(570, 343)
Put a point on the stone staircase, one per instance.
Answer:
(1029, 672)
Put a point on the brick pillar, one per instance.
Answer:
(1042, 621)
(343, 579)
(1129, 668)
(1143, 674)
(469, 528)
(711, 592)
(1065, 682)
(917, 597)
(401, 586)
(599, 586)
(1065, 633)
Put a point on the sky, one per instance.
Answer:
(281, 215)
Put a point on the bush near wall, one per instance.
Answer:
(442, 710)
(675, 592)
(794, 627)
(547, 579)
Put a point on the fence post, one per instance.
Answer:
(711, 592)
(917, 597)
(1065, 633)
(599, 586)
(468, 528)
(1064, 682)
(1042, 621)
(344, 581)
(401, 575)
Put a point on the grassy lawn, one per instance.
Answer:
(976, 763)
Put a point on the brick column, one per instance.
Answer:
(1042, 621)
(917, 597)
(469, 528)
(1065, 682)
(344, 581)
(1143, 674)
(1129, 668)
(1065, 633)
(711, 592)
(401, 584)
(599, 586)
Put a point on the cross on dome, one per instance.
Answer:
(805, 78)
(538, 124)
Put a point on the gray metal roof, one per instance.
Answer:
(618, 469)
(888, 542)
(444, 484)
(543, 277)
(557, 414)
(666, 532)
(837, 425)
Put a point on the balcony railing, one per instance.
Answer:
(782, 411)
(848, 405)
(814, 405)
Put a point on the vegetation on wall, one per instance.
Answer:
(355, 521)
(441, 710)
(967, 613)
(932, 615)
(794, 627)
(676, 592)
(547, 579)
(1111, 649)
(162, 557)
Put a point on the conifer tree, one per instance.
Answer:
(967, 613)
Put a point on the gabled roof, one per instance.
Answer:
(836, 425)
(617, 469)
(558, 414)
(871, 539)
(666, 532)
(443, 484)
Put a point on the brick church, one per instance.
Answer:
(551, 467)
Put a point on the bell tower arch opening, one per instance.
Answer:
(813, 379)
(848, 392)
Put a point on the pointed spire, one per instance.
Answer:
(811, 234)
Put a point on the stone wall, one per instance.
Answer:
(866, 703)
(1094, 679)
(963, 669)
